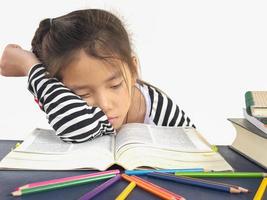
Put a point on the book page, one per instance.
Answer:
(151, 146)
(43, 150)
(45, 141)
(132, 133)
(145, 157)
(184, 139)
(172, 138)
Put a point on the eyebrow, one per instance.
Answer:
(112, 77)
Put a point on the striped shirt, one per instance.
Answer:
(160, 109)
(75, 121)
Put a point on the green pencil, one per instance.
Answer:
(60, 185)
(223, 174)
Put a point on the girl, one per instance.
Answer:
(84, 76)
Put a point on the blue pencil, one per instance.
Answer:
(194, 181)
(144, 172)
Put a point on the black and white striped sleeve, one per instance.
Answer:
(164, 111)
(69, 115)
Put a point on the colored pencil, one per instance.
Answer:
(160, 193)
(223, 174)
(66, 179)
(193, 181)
(226, 184)
(124, 194)
(260, 192)
(100, 188)
(178, 197)
(144, 172)
(60, 185)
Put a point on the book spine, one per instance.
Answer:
(249, 101)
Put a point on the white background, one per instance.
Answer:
(204, 54)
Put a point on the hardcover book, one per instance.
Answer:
(250, 141)
(256, 104)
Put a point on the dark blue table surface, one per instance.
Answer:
(9, 180)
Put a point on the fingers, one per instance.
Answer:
(13, 45)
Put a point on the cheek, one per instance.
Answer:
(124, 100)
(119, 99)
(90, 101)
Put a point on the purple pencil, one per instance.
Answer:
(100, 188)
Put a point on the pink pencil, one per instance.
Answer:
(66, 179)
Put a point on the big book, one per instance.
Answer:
(134, 146)
(250, 141)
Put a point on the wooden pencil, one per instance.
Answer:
(100, 188)
(260, 192)
(123, 195)
(178, 197)
(149, 188)
(222, 174)
(66, 179)
(59, 185)
(194, 181)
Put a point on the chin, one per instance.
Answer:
(117, 125)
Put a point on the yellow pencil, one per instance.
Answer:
(261, 189)
(123, 195)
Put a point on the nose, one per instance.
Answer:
(104, 102)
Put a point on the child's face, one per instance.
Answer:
(100, 84)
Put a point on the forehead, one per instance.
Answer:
(90, 71)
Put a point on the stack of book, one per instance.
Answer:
(251, 131)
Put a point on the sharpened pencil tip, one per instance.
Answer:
(243, 189)
(16, 193)
(234, 190)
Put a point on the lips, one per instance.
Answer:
(111, 119)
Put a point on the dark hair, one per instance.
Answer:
(98, 32)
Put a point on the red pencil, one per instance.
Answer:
(66, 179)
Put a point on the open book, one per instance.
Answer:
(134, 146)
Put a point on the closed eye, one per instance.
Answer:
(117, 85)
(85, 95)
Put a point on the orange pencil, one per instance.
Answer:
(156, 191)
(178, 197)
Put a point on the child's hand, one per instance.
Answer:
(16, 61)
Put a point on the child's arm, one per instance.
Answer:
(70, 116)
